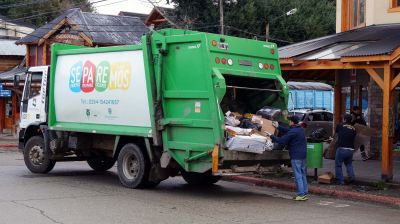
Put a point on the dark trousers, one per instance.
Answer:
(344, 155)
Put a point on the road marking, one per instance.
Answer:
(341, 206)
(330, 203)
(325, 203)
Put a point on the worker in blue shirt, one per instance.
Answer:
(294, 138)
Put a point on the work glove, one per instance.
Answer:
(275, 124)
(267, 134)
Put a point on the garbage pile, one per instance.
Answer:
(248, 132)
(318, 135)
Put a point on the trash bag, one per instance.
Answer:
(231, 121)
(270, 113)
(319, 135)
(252, 144)
(247, 124)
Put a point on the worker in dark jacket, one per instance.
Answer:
(345, 148)
(295, 140)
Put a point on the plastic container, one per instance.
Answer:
(314, 155)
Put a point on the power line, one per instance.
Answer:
(21, 4)
(111, 3)
(35, 14)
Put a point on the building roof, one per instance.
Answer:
(309, 86)
(366, 41)
(141, 16)
(9, 48)
(101, 29)
(9, 75)
(159, 15)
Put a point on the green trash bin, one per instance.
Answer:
(314, 155)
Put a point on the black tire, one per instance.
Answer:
(133, 167)
(151, 184)
(36, 157)
(206, 178)
(101, 163)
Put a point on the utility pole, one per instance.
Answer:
(288, 13)
(221, 16)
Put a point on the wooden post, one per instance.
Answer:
(2, 113)
(360, 96)
(337, 100)
(27, 56)
(14, 111)
(351, 98)
(44, 53)
(387, 141)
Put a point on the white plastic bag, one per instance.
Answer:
(230, 119)
(239, 131)
(252, 143)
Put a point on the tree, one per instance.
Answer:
(248, 18)
(39, 12)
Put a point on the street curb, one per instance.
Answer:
(8, 145)
(394, 201)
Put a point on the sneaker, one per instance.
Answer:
(301, 198)
(365, 158)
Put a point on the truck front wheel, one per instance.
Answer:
(133, 167)
(206, 178)
(36, 158)
(101, 163)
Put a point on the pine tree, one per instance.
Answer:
(248, 18)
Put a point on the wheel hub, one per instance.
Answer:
(131, 167)
(36, 155)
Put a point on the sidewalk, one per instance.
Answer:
(7, 140)
(365, 171)
(368, 186)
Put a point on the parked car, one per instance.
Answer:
(315, 119)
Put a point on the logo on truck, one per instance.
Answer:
(87, 77)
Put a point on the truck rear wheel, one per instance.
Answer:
(36, 159)
(133, 167)
(206, 178)
(101, 163)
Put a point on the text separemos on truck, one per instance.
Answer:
(155, 108)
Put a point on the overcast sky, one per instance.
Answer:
(113, 7)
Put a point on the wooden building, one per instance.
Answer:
(81, 28)
(11, 56)
(362, 60)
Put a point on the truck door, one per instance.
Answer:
(190, 107)
(34, 96)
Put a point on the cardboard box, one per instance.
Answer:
(365, 130)
(326, 178)
(237, 115)
(267, 126)
(256, 119)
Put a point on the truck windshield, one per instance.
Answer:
(32, 85)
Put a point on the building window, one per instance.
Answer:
(357, 13)
(394, 6)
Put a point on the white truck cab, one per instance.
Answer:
(33, 103)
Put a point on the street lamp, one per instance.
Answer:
(288, 13)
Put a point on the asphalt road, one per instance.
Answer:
(72, 193)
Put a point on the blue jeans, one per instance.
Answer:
(300, 175)
(345, 156)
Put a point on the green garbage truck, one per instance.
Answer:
(157, 108)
